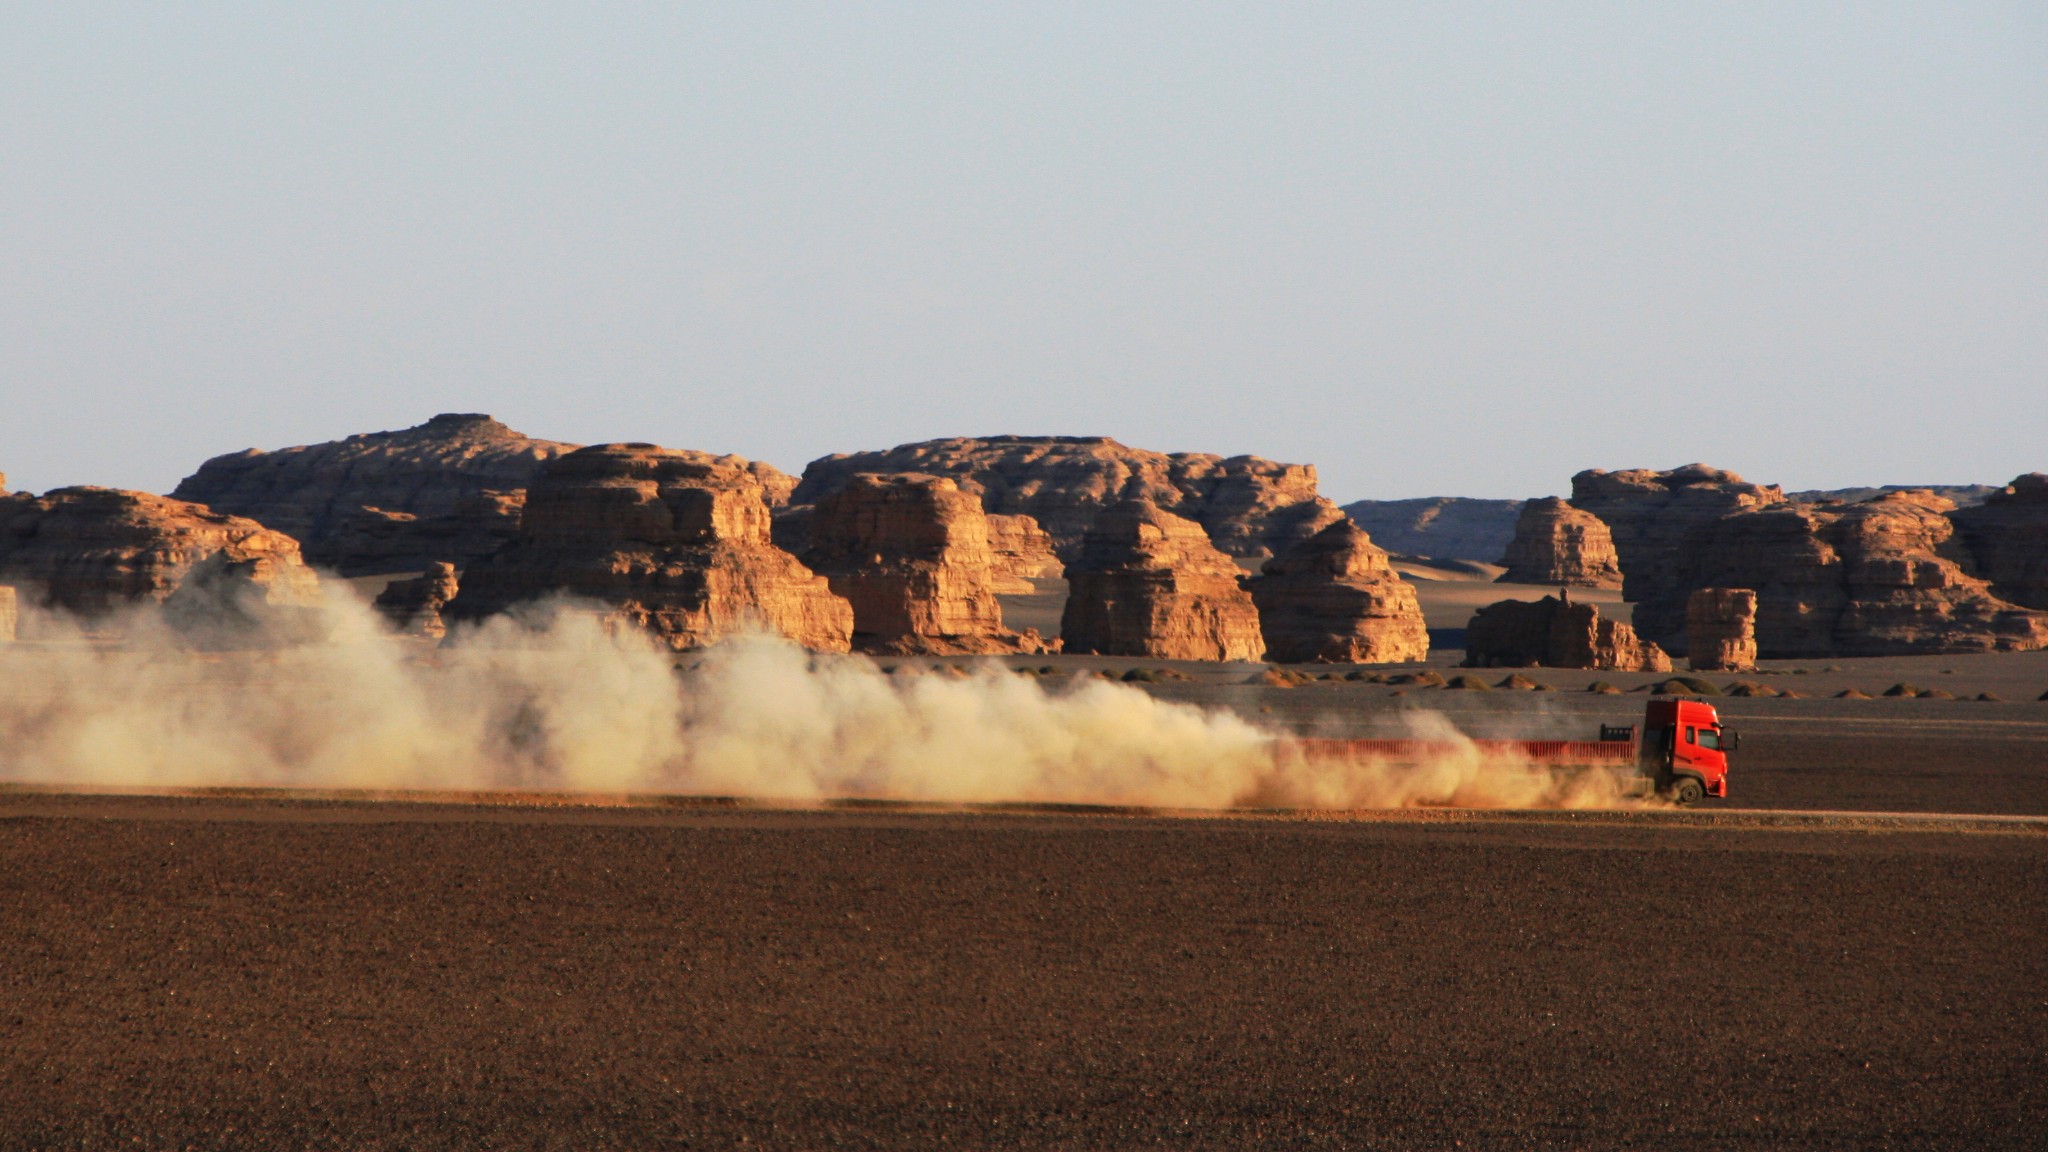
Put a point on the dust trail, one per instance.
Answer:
(561, 702)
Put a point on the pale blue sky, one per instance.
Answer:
(1431, 248)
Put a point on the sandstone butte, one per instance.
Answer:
(1023, 553)
(1148, 583)
(2007, 535)
(414, 606)
(91, 551)
(1648, 514)
(448, 490)
(1882, 577)
(1334, 598)
(1720, 630)
(668, 541)
(1248, 506)
(911, 554)
(1556, 633)
(1556, 543)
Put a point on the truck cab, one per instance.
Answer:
(1685, 749)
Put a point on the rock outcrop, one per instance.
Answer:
(1148, 583)
(1249, 506)
(911, 554)
(448, 490)
(1555, 633)
(2007, 536)
(1885, 577)
(1023, 553)
(414, 606)
(1648, 514)
(1720, 630)
(91, 551)
(1439, 527)
(668, 541)
(1333, 598)
(1556, 543)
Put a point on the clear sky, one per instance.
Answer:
(1432, 248)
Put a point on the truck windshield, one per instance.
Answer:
(1710, 738)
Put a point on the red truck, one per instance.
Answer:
(1680, 752)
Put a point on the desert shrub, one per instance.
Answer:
(1603, 688)
(1685, 686)
(1851, 694)
(1140, 676)
(1902, 689)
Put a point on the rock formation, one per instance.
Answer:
(9, 613)
(911, 554)
(1720, 630)
(414, 606)
(1439, 527)
(93, 550)
(1648, 515)
(1556, 634)
(1333, 598)
(1023, 553)
(1149, 583)
(2007, 536)
(1556, 543)
(448, 490)
(1885, 577)
(1249, 506)
(672, 542)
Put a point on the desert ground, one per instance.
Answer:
(239, 973)
(1795, 967)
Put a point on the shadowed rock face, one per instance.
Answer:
(93, 550)
(1149, 583)
(670, 541)
(1333, 598)
(911, 554)
(1556, 543)
(1720, 630)
(448, 490)
(1884, 577)
(414, 606)
(1249, 506)
(1648, 515)
(1556, 634)
(1439, 527)
(2007, 535)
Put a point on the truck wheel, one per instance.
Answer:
(1686, 792)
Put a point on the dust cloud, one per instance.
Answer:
(559, 702)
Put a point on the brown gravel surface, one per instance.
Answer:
(242, 974)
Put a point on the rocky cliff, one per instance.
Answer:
(91, 551)
(1556, 634)
(2007, 536)
(1023, 553)
(1720, 630)
(1556, 543)
(669, 541)
(1248, 505)
(414, 606)
(1884, 577)
(448, 490)
(1148, 583)
(1648, 515)
(911, 553)
(1439, 527)
(1333, 598)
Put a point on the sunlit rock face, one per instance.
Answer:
(659, 539)
(1149, 583)
(1334, 598)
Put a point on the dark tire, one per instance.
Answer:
(1686, 792)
